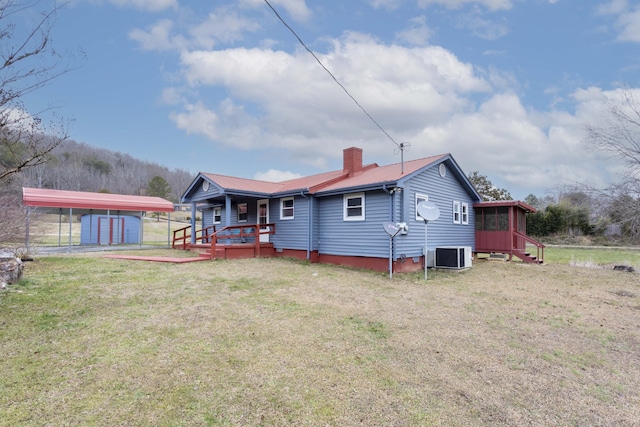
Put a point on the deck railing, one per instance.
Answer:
(182, 236)
(235, 234)
(534, 242)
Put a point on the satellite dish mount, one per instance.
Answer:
(428, 212)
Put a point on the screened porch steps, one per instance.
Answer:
(527, 257)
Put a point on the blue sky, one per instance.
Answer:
(505, 86)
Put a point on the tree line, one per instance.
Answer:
(81, 167)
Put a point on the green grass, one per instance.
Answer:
(92, 341)
(596, 256)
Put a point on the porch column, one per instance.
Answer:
(227, 209)
(193, 223)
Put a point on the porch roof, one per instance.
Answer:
(41, 197)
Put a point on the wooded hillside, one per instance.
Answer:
(81, 167)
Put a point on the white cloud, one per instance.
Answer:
(613, 7)
(308, 114)
(418, 33)
(273, 175)
(489, 4)
(481, 27)
(296, 8)
(627, 19)
(451, 4)
(629, 25)
(148, 5)
(422, 95)
(158, 37)
(221, 26)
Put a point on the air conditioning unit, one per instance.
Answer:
(453, 257)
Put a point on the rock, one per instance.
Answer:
(626, 268)
(10, 271)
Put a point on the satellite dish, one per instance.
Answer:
(428, 211)
(391, 228)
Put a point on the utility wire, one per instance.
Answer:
(331, 74)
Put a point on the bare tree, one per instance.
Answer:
(28, 62)
(619, 138)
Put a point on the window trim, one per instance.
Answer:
(219, 209)
(421, 196)
(345, 207)
(456, 212)
(246, 208)
(283, 208)
(464, 214)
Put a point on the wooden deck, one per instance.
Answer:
(175, 260)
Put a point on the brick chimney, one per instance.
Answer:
(352, 160)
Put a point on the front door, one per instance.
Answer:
(263, 218)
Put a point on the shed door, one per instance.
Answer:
(110, 231)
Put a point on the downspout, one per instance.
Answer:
(309, 224)
(391, 218)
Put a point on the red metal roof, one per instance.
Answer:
(375, 174)
(327, 181)
(504, 203)
(85, 200)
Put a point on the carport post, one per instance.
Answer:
(142, 214)
(169, 230)
(60, 227)
(26, 240)
(70, 225)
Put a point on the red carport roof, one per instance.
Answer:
(84, 200)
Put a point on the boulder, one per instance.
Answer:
(10, 271)
(626, 268)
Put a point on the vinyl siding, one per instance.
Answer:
(442, 232)
(207, 218)
(354, 238)
(291, 233)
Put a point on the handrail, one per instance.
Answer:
(538, 245)
(254, 232)
(205, 234)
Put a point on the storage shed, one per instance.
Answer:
(109, 229)
(108, 216)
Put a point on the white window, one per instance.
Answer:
(419, 199)
(286, 208)
(456, 212)
(217, 215)
(243, 212)
(465, 213)
(353, 207)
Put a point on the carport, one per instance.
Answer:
(81, 203)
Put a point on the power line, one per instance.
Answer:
(332, 76)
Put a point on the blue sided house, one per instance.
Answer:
(338, 217)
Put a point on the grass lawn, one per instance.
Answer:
(92, 341)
